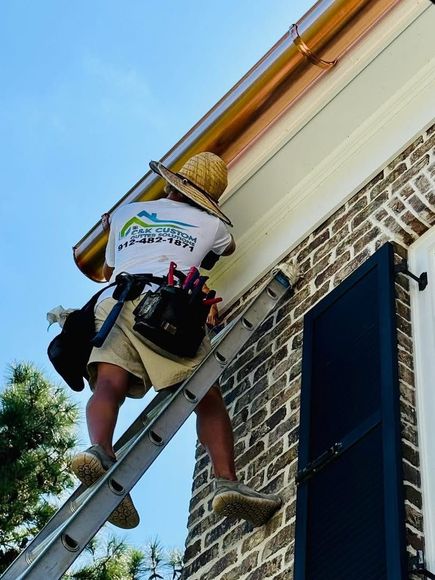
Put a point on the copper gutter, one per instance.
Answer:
(300, 58)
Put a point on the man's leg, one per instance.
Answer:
(216, 433)
(110, 390)
(231, 498)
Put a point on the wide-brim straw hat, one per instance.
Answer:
(203, 179)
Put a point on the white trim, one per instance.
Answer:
(396, 112)
(422, 259)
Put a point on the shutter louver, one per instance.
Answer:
(350, 516)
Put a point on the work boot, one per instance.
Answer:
(237, 500)
(89, 466)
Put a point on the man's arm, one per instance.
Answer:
(212, 258)
(105, 223)
(107, 271)
(230, 249)
(208, 263)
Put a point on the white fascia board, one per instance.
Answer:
(328, 145)
(422, 259)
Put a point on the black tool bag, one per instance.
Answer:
(172, 319)
(69, 351)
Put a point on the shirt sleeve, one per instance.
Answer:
(222, 239)
(110, 248)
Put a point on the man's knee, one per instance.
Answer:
(111, 382)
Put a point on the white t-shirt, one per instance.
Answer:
(147, 236)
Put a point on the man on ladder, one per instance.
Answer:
(185, 228)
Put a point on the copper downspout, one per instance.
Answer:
(300, 58)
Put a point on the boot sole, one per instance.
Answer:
(234, 505)
(88, 469)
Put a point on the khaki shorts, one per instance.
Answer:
(124, 347)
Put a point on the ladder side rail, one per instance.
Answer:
(72, 504)
(94, 504)
(55, 558)
(64, 512)
(71, 538)
(143, 418)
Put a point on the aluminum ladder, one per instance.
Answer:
(61, 541)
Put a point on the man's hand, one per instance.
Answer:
(107, 271)
(105, 224)
(213, 316)
(105, 221)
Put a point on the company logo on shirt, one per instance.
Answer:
(136, 223)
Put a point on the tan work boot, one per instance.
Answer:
(237, 500)
(89, 466)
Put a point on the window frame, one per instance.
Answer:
(423, 334)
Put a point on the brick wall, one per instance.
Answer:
(262, 386)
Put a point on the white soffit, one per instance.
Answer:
(335, 139)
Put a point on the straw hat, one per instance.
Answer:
(203, 179)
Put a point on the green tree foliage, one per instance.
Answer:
(116, 560)
(174, 560)
(109, 562)
(37, 438)
(154, 556)
(37, 434)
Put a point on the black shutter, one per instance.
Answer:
(350, 522)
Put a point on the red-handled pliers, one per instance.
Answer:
(197, 287)
(211, 301)
(172, 267)
(192, 275)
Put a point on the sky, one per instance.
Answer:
(89, 93)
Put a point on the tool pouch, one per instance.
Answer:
(69, 351)
(172, 319)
